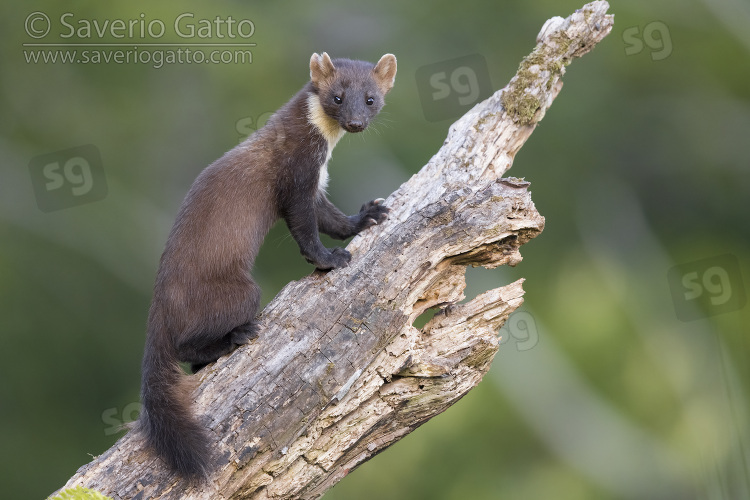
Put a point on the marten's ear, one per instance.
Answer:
(321, 69)
(385, 72)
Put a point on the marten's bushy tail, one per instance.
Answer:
(166, 419)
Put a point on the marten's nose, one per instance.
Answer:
(355, 126)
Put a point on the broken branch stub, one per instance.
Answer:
(339, 372)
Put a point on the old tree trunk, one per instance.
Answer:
(339, 373)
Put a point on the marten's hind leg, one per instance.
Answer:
(248, 330)
(214, 341)
(244, 333)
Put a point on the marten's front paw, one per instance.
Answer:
(337, 257)
(372, 213)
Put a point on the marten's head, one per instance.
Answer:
(352, 92)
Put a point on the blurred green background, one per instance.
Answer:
(617, 379)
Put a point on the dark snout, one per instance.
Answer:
(355, 125)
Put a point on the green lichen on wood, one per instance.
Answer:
(484, 119)
(536, 75)
(79, 493)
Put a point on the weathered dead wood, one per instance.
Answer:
(339, 372)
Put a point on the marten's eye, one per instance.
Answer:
(370, 101)
(337, 99)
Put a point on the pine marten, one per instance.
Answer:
(205, 300)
